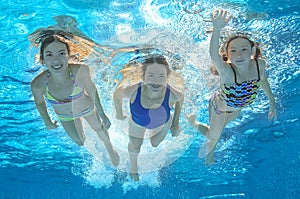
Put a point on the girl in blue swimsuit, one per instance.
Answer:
(71, 92)
(242, 73)
(151, 101)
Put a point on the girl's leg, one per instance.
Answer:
(136, 138)
(218, 121)
(75, 131)
(96, 124)
(217, 124)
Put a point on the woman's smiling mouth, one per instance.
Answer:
(57, 67)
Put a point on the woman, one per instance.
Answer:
(242, 73)
(151, 101)
(73, 95)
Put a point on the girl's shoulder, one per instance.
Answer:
(80, 72)
(261, 63)
(76, 67)
(261, 66)
(128, 90)
(39, 83)
(40, 79)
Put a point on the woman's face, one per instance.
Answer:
(155, 76)
(56, 56)
(239, 52)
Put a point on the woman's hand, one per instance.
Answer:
(52, 125)
(175, 130)
(220, 19)
(106, 122)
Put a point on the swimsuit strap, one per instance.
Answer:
(138, 94)
(235, 79)
(167, 95)
(48, 75)
(258, 73)
(72, 76)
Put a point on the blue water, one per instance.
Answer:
(256, 158)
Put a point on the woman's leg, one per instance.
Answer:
(96, 124)
(136, 138)
(75, 131)
(159, 134)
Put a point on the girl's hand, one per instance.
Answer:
(220, 18)
(272, 113)
(52, 125)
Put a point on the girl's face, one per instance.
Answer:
(56, 56)
(239, 52)
(155, 77)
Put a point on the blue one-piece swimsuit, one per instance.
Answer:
(150, 118)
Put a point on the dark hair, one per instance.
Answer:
(156, 59)
(252, 44)
(46, 42)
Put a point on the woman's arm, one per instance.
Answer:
(122, 91)
(92, 91)
(37, 92)
(178, 97)
(118, 98)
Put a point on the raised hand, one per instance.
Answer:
(220, 18)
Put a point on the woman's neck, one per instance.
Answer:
(60, 77)
(152, 94)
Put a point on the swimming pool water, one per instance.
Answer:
(255, 158)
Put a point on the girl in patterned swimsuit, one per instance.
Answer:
(241, 73)
(71, 92)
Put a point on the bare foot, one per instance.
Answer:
(191, 118)
(210, 158)
(115, 159)
(134, 176)
(202, 128)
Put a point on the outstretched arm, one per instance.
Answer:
(121, 92)
(40, 104)
(93, 93)
(220, 19)
(267, 89)
(175, 128)
(118, 98)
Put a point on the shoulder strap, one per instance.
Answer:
(138, 94)
(258, 73)
(233, 72)
(167, 96)
(71, 75)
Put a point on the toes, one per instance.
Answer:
(134, 176)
